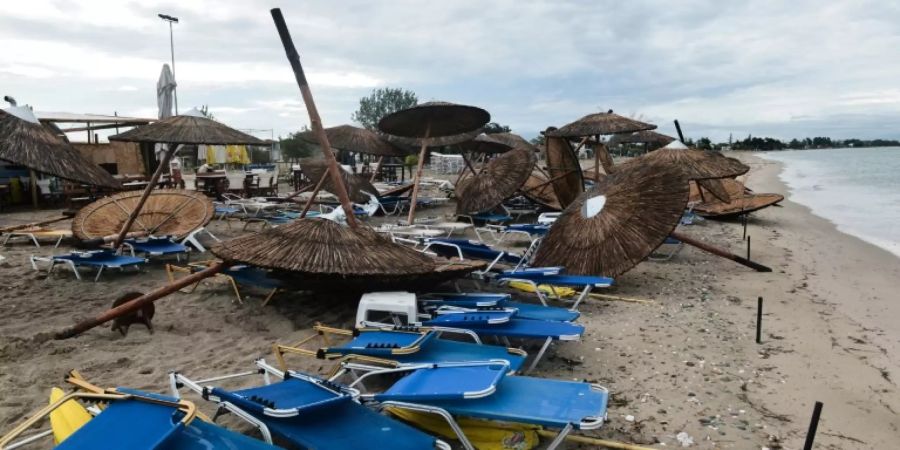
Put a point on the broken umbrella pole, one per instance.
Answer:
(294, 58)
(720, 252)
(140, 302)
(12, 228)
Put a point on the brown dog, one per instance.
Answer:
(142, 316)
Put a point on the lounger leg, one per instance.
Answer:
(540, 354)
(57, 242)
(99, 271)
(269, 297)
(237, 291)
(6, 238)
(74, 269)
(34, 239)
(584, 294)
(560, 437)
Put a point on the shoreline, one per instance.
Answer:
(789, 192)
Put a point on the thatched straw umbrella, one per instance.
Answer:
(355, 139)
(563, 170)
(174, 212)
(695, 165)
(513, 140)
(618, 223)
(487, 144)
(538, 189)
(500, 179)
(189, 128)
(742, 200)
(651, 139)
(596, 125)
(357, 185)
(430, 120)
(321, 247)
(411, 145)
(24, 141)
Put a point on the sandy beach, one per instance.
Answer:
(685, 363)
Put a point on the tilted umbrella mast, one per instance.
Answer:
(427, 121)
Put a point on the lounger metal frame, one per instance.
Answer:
(588, 423)
(172, 269)
(71, 264)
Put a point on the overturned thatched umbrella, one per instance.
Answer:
(742, 200)
(25, 141)
(598, 124)
(323, 248)
(500, 179)
(431, 120)
(618, 223)
(538, 189)
(174, 212)
(695, 165)
(191, 127)
(358, 186)
(564, 170)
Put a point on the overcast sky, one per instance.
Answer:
(784, 69)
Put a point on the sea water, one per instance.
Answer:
(858, 189)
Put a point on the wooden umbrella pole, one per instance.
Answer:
(377, 169)
(33, 224)
(581, 144)
(139, 302)
(147, 190)
(415, 193)
(315, 192)
(34, 195)
(720, 252)
(314, 119)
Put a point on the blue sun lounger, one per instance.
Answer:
(404, 346)
(486, 390)
(139, 420)
(469, 249)
(157, 246)
(481, 324)
(97, 259)
(487, 300)
(237, 275)
(535, 278)
(310, 412)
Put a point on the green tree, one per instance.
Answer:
(494, 127)
(295, 147)
(704, 143)
(381, 102)
(538, 140)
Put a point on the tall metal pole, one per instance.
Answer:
(172, 50)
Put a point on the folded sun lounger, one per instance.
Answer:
(138, 420)
(482, 300)
(309, 412)
(402, 346)
(97, 259)
(486, 390)
(536, 278)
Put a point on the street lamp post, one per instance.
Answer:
(172, 20)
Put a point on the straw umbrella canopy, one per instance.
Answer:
(695, 165)
(742, 200)
(188, 128)
(321, 247)
(411, 145)
(648, 137)
(174, 212)
(538, 189)
(355, 139)
(431, 120)
(24, 141)
(564, 170)
(502, 177)
(358, 186)
(600, 124)
(512, 140)
(486, 143)
(618, 223)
